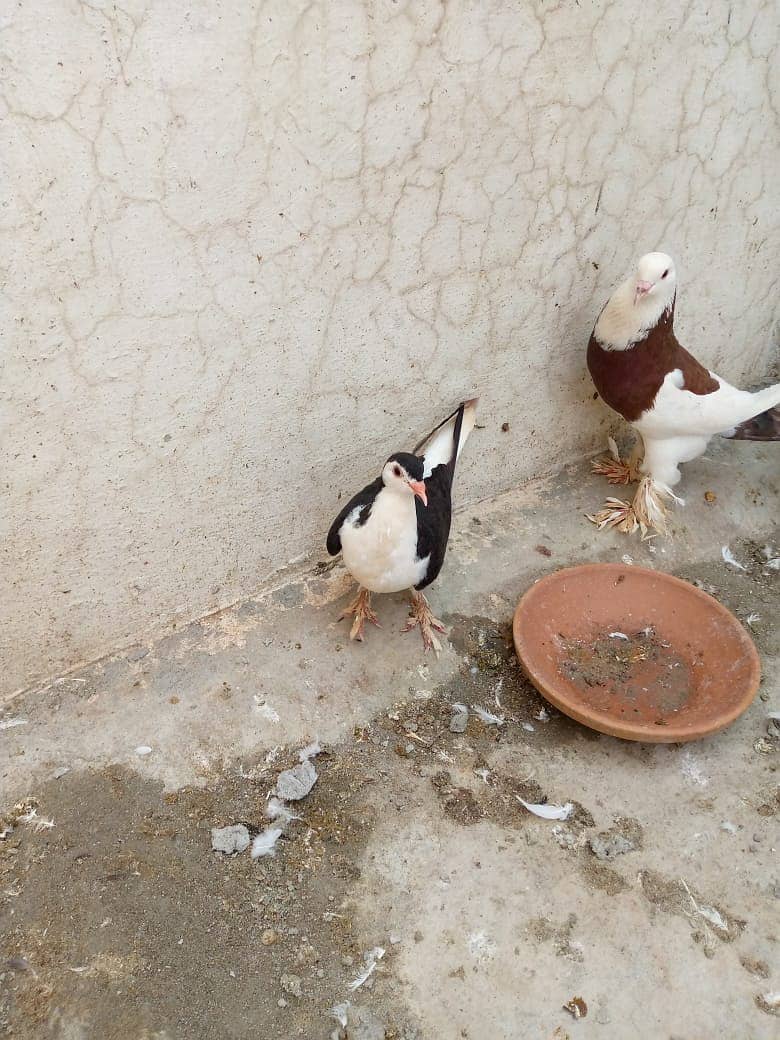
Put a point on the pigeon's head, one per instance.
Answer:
(403, 474)
(656, 280)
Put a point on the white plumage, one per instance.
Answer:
(680, 424)
(673, 402)
(381, 554)
(393, 534)
(437, 447)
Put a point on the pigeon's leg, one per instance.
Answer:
(422, 615)
(361, 608)
(615, 469)
(663, 457)
(650, 507)
(647, 512)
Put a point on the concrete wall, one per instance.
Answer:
(250, 248)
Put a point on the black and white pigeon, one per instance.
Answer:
(674, 403)
(393, 534)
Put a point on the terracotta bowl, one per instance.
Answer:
(635, 653)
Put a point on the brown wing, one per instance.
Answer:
(628, 380)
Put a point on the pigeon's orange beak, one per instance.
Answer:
(642, 289)
(418, 487)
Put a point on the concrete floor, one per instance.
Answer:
(120, 920)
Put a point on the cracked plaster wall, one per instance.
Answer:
(249, 248)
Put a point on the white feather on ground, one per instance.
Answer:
(310, 751)
(372, 958)
(548, 812)
(277, 810)
(709, 913)
(487, 716)
(339, 1012)
(730, 559)
(265, 842)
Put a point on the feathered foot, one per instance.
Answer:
(614, 468)
(422, 615)
(647, 512)
(615, 513)
(361, 608)
(651, 511)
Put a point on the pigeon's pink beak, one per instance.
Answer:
(418, 487)
(642, 289)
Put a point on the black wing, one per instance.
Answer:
(364, 500)
(433, 521)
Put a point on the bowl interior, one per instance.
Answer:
(635, 653)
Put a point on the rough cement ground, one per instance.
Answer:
(120, 921)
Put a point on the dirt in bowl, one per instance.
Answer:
(644, 671)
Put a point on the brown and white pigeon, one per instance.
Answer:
(673, 402)
(393, 534)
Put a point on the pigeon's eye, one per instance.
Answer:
(666, 272)
(396, 471)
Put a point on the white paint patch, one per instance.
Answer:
(264, 709)
(225, 630)
(481, 948)
(691, 769)
(11, 723)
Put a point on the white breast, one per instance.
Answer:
(382, 554)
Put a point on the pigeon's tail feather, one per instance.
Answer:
(443, 445)
(762, 427)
